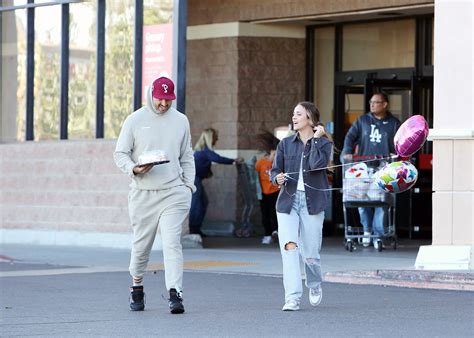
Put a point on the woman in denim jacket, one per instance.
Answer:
(299, 169)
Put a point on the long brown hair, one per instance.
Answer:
(314, 117)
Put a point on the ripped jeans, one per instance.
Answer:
(304, 230)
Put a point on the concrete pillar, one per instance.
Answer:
(453, 140)
(9, 71)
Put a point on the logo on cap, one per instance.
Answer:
(163, 89)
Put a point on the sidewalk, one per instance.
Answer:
(242, 256)
(367, 266)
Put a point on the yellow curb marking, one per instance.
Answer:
(201, 264)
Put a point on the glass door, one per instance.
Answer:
(407, 98)
(348, 106)
(399, 93)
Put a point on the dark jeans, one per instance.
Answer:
(198, 210)
(268, 208)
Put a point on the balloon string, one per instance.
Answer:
(346, 164)
(335, 166)
(307, 185)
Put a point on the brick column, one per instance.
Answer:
(241, 78)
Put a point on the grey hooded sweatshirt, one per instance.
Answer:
(147, 129)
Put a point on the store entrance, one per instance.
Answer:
(407, 98)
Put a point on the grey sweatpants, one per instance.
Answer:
(166, 209)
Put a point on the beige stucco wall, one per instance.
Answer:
(214, 11)
(453, 187)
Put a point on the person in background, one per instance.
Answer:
(299, 169)
(372, 134)
(204, 156)
(160, 196)
(268, 143)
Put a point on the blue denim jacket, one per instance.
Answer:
(317, 152)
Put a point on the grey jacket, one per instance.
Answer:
(316, 154)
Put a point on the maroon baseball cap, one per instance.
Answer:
(163, 89)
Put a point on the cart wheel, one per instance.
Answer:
(346, 243)
(380, 248)
(351, 247)
(238, 233)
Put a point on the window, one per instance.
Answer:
(82, 66)
(376, 45)
(47, 89)
(324, 44)
(13, 69)
(119, 42)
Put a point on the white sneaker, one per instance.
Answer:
(291, 305)
(266, 239)
(315, 295)
(366, 239)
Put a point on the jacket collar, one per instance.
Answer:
(295, 137)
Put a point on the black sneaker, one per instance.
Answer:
(175, 302)
(137, 298)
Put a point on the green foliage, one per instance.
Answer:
(158, 13)
(46, 92)
(118, 101)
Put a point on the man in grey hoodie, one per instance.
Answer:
(160, 195)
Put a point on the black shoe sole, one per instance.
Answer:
(137, 308)
(177, 311)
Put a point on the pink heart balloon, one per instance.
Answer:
(411, 136)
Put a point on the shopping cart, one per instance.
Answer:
(360, 190)
(247, 183)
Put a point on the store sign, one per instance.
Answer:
(157, 54)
